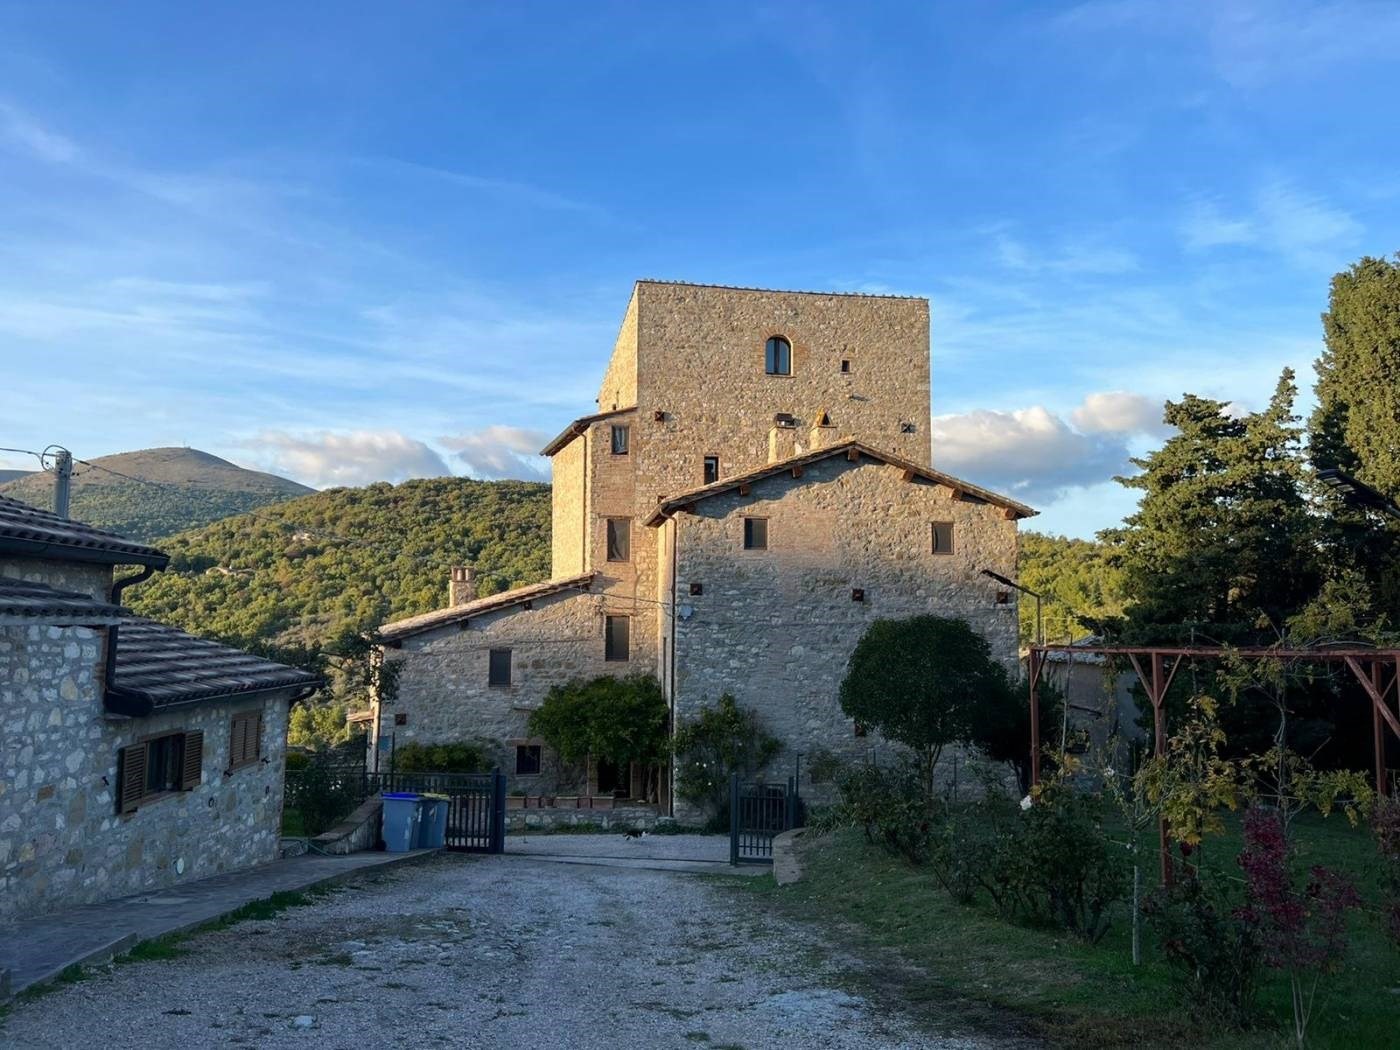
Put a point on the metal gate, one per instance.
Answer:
(476, 816)
(757, 812)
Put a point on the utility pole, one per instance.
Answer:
(62, 479)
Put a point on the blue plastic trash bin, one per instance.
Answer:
(401, 820)
(432, 830)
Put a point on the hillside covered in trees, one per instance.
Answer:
(310, 573)
(157, 492)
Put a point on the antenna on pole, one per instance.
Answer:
(62, 476)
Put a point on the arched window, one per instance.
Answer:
(777, 357)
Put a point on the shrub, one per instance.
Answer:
(917, 682)
(459, 756)
(825, 766)
(621, 720)
(1076, 873)
(978, 849)
(1213, 954)
(1386, 822)
(1000, 725)
(322, 795)
(720, 741)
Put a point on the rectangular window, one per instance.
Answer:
(615, 641)
(527, 760)
(845, 366)
(619, 539)
(620, 436)
(942, 537)
(755, 534)
(158, 766)
(711, 469)
(244, 739)
(499, 671)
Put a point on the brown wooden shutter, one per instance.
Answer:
(193, 772)
(255, 745)
(237, 742)
(131, 777)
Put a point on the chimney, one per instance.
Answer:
(462, 587)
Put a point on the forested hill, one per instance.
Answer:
(157, 492)
(300, 574)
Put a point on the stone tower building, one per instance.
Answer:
(755, 487)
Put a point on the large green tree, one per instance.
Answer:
(918, 681)
(1356, 425)
(1082, 589)
(1221, 547)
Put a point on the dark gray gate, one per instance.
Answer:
(476, 816)
(757, 812)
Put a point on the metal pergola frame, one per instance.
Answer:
(1377, 670)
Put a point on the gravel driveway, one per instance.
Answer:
(490, 952)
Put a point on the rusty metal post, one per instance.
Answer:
(1377, 730)
(1159, 747)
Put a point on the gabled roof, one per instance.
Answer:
(34, 533)
(578, 426)
(848, 449)
(160, 667)
(25, 602)
(493, 603)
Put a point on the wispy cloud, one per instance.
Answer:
(1069, 257)
(501, 452)
(356, 457)
(1281, 218)
(22, 132)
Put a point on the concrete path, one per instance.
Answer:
(697, 854)
(37, 950)
(505, 952)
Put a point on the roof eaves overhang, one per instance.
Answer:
(119, 701)
(578, 426)
(71, 552)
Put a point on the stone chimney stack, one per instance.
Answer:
(462, 587)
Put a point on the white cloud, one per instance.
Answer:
(501, 452)
(1119, 412)
(1281, 218)
(1069, 257)
(1030, 453)
(22, 132)
(356, 457)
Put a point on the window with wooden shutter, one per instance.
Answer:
(192, 772)
(131, 777)
(245, 739)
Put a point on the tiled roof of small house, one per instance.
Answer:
(36, 533)
(852, 450)
(160, 666)
(24, 602)
(578, 426)
(492, 603)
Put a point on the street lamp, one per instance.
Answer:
(1358, 493)
(1039, 631)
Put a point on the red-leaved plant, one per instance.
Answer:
(1302, 931)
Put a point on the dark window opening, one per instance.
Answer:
(528, 760)
(906, 428)
(158, 766)
(164, 763)
(619, 539)
(615, 630)
(860, 729)
(755, 534)
(620, 436)
(498, 673)
(711, 469)
(845, 365)
(777, 357)
(942, 537)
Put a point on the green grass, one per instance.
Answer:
(1075, 994)
(292, 824)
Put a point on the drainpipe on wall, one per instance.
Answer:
(110, 664)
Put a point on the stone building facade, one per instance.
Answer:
(89, 693)
(715, 401)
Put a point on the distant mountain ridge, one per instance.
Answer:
(157, 492)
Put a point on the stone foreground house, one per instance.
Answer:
(132, 755)
(755, 489)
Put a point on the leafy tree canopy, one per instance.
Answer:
(620, 720)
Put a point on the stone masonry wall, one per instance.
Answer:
(775, 628)
(567, 501)
(442, 687)
(61, 839)
(93, 580)
(619, 386)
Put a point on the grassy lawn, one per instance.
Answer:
(1077, 995)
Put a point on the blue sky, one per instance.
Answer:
(355, 242)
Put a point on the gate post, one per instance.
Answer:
(734, 819)
(498, 812)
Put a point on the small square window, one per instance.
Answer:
(499, 670)
(711, 469)
(400, 718)
(845, 366)
(528, 760)
(942, 537)
(620, 439)
(857, 594)
(697, 588)
(615, 638)
(755, 534)
(619, 539)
